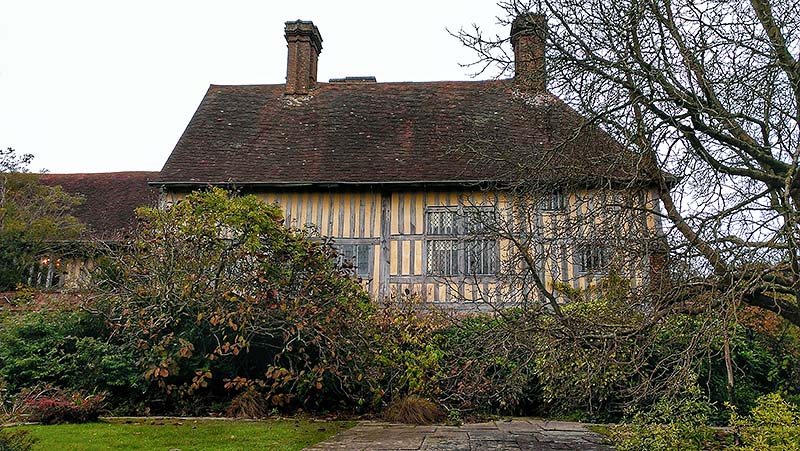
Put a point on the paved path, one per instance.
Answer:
(519, 434)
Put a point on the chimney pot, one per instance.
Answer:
(528, 37)
(304, 44)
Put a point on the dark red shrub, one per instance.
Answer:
(55, 406)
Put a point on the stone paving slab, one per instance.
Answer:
(434, 444)
(563, 426)
(518, 434)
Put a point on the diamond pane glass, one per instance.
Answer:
(441, 222)
(443, 257)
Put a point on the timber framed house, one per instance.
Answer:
(395, 172)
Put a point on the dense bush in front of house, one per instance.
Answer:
(216, 298)
(773, 423)
(680, 423)
(216, 307)
(221, 303)
(516, 363)
(486, 369)
(605, 356)
(672, 423)
(591, 369)
(467, 364)
(406, 344)
(764, 353)
(72, 350)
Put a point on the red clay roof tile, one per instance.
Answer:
(379, 133)
(109, 199)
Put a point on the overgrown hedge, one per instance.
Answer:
(681, 424)
(467, 364)
(216, 306)
(72, 350)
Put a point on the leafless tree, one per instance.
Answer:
(709, 93)
(576, 270)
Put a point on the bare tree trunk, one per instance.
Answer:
(728, 365)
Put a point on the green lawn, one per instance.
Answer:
(185, 435)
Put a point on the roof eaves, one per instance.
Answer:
(600, 182)
(320, 184)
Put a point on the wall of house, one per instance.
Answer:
(351, 217)
(61, 270)
(391, 227)
(76, 271)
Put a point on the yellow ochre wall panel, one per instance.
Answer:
(357, 214)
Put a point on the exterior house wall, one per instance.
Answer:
(76, 271)
(61, 271)
(391, 225)
(108, 212)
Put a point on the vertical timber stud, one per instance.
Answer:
(386, 230)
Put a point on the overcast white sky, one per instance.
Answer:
(97, 86)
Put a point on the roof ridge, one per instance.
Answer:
(377, 83)
(97, 173)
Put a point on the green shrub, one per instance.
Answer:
(486, 366)
(215, 294)
(765, 354)
(406, 348)
(671, 424)
(665, 437)
(65, 349)
(773, 424)
(470, 364)
(454, 418)
(764, 350)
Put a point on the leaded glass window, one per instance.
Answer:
(456, 241)
(592, 258)
(357, 256)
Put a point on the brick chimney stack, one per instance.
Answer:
(528, 37)
(305, 44)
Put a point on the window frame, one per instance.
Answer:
(553, 201)
(461, 236)
(594, 251)
(454, 268)
(340, 244)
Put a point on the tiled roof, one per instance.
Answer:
(109, 199)
(377, 133)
